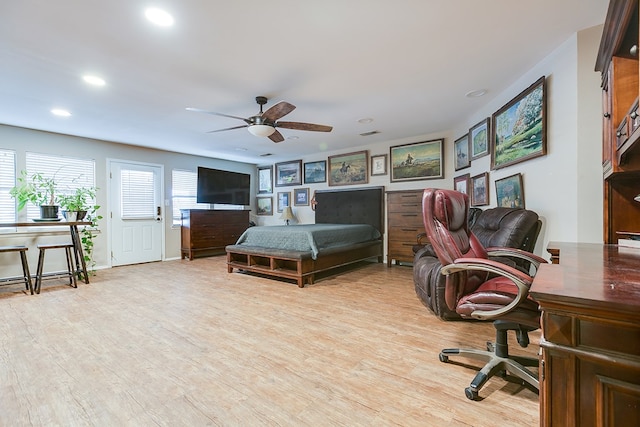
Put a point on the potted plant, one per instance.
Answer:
(75, 205)
(39, 190)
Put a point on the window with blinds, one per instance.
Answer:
(184, 186)
(7, 181)
(137, 192)
(69, 173)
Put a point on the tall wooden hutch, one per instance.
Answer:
(618, 62)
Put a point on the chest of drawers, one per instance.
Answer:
(404, 223)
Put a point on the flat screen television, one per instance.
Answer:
(223, 187)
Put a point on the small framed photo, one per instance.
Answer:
(284, 200)
(461, 183)
(265, 205)
(301, 197)
(479, 139)
(510, 192)
(519, 128)
(349, 169)
(289, 173)
(315, 172)
(461, 152)
(480, 190)
(419, 160)
(379, 164)
(265, 180)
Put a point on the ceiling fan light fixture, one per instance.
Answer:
(261, 130)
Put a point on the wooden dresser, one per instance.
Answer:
(590, 364)
(404, 223)
(206, 232)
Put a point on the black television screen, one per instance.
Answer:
(224, 187)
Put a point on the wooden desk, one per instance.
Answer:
(81, 265)
(590, 364)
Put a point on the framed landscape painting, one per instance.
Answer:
(350, 168)
(265, 181)
(419, 160)
(519, 128)
(461, 183)
(289, 173)
(315, 172)
(461, 153)
(480, 190)
(265, 206)
(479, 139)
(509, 192)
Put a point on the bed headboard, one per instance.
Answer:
(351, 206)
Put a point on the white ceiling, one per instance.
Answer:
(405, 63)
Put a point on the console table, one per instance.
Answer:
(590, 345)
(81, 265)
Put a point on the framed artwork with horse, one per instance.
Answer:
(418, 160)
(350, 168)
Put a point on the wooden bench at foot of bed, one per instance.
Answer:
(297, 265)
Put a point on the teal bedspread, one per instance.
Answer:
(308, 237)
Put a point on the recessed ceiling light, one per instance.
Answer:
(476, 93)
(94, 80)
(60, 112)
(159, 17)
(365, 120)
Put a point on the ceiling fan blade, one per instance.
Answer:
(221, 130)
(281, 109)
(276, 137)
(198, 110)
(304, 126)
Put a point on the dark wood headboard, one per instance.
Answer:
(351, 206)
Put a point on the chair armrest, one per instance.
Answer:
(421, 236)
(534, 259)
(521, 280)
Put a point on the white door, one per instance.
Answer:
(136, 212)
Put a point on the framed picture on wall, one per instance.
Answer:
(284, 200)
(301, 197)
(461, 183)
(509, 192)
(264, 205)
(479, 139)
(379, 164)
(480, 190)
(349, 169)
(289, 173)
(461, 156)
(519, 128)
(265, 181)
(419, 160)
(315, 172)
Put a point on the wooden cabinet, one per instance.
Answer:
(404, 223)
(590, 361)
(207, 232)
(618, 62)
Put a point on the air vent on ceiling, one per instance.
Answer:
(373, 132)
(266, 155)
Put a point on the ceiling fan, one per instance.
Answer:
(264, 124)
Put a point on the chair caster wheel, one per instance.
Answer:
(470, 393)
(443, 358)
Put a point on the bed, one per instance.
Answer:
(263, 250)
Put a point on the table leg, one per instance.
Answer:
(81, 264)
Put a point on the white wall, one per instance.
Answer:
(565, 186)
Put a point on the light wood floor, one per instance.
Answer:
(186, 343)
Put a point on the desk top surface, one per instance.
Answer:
(593, 275)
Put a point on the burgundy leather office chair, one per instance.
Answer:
(480, 288)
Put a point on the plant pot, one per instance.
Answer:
(48, 211)
(74, 215)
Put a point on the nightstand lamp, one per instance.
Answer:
(287, 214)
